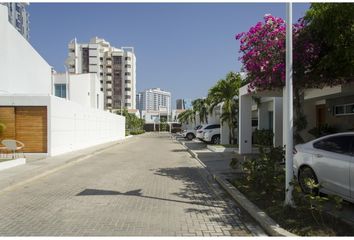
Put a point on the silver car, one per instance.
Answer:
(328, 161)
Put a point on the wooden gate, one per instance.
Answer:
(26, 124)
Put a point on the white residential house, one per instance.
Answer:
(46, 124)
(80, 88)
(330, 105)
(115, 67)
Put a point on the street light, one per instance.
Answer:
(289, 124)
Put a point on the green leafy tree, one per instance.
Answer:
(226, 91)
(331, 27)
(132, 122)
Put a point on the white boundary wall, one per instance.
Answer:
(71, 126)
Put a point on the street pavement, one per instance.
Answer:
(148, 186)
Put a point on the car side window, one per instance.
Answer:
(213, 126)
(337, 144)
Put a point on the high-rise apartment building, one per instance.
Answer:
(183, 104)
(115, 68)
(18, 17)
(154, 99)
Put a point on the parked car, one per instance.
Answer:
(212, 134)
(176, 127)
(328, 161)
(201, 131)
(190, 133)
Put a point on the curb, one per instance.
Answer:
(66, 164)
(267, 223)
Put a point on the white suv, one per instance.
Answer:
(211, 134)
(190, 133)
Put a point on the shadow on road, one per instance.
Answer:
(197, 190)
(136, 193)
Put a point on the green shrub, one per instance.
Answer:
(137, 132)
(322, 130)
(263, 137)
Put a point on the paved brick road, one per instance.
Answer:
(146, 186)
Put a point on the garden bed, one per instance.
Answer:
(303, 220)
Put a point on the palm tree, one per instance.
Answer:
(201, 106)
(226, 91)
(187, 116)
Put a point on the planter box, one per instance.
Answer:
(12, 163)
(221, 148)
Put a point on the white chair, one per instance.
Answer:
(13, 146)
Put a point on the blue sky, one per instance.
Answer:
(182, 48)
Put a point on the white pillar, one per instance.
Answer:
(245, 124)
(278, 121)
(263, 117)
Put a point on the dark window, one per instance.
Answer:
(127, 58)
(128, 66)
(127, 97)
(60, 90)
(85, 60)
(127, 89)
(213, 126)
(117, 60)
(128, 81)
(254, 122)
(338, 144)
(127, 74)
(127, 104)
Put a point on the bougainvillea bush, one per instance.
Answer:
(263, 53)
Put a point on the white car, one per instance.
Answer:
(212, 134)
(190, 133)
(328, 161)
(205, 128)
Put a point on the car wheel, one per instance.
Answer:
(190, 136)
(307, 174)
(215, 139)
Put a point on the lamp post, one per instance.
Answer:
(289, 124)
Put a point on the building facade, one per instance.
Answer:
(154, 99)
(183, 104)
(115, 67)
(19, 17)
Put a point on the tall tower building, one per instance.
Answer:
(18, 17)
(115, 67)
(154, 99)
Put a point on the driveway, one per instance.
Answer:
(147, 186)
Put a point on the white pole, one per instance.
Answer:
(67, 82)
(289, 107)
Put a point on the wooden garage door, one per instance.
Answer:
(31, 128)
(7, 117)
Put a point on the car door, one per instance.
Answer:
(331, 162)
(351, 174)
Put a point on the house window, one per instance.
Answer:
(345, 109)
(127, 74)
(128, 66)
(60, 90)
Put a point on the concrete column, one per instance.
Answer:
(278, 121)
(245, 124)
(263, 118)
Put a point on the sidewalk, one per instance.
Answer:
(215, 162)
(37, 167)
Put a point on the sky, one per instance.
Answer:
(184, 48)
